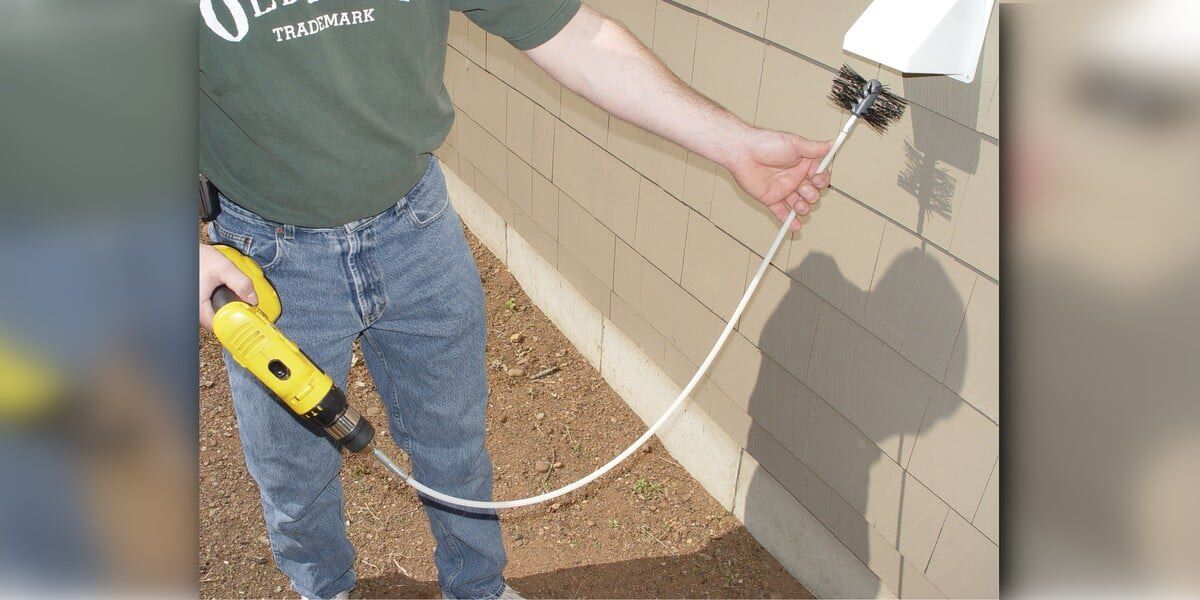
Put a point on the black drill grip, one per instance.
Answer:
(222, 296)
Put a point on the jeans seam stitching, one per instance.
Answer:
(458, 556)
(355, 279)
(380, 291)
(395, 397)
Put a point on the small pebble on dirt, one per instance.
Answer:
(541, 466)
(540, 416)
(516, 372)
(516, 338)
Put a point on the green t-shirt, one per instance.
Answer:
(320, 112)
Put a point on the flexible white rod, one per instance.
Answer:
(784, 230)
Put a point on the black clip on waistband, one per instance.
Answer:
(210, 207)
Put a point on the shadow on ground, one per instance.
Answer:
(703, 574)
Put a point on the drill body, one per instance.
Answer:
(250, 336)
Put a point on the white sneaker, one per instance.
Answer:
(338, 596)
(507, 594)
(510, 594)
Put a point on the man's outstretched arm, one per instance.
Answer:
(602, 61)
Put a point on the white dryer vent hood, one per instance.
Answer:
(940, 37)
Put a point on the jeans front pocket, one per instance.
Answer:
(427, 201)
(262, 242)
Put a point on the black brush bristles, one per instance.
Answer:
(850, 88)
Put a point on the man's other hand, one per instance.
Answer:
(215, 271)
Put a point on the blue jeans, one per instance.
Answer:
(405, 283)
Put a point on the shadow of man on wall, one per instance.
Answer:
(908, 285)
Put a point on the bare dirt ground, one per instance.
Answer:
(645, 530)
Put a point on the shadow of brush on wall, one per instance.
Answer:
(943, 119)
(929, 183)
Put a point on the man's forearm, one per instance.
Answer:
(602, 61)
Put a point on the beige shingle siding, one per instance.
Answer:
(864, 375)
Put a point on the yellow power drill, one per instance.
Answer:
(251, 337)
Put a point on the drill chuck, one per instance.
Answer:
(343, 423)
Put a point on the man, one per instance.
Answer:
(317, 121)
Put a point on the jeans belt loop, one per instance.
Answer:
(289, 232)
